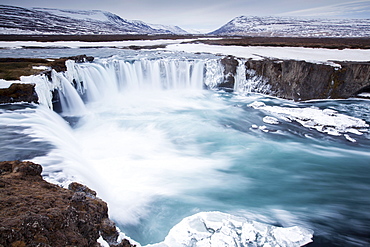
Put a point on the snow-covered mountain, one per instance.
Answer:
(18, 20)
(294, 27)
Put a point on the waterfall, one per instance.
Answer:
(246, 80)
(82, 83)
(89, 82)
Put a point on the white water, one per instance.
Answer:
(158, 148)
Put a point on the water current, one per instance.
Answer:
(158, 142)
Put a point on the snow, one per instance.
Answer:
(314, 55)
(212, 229)
(173, 29)
(6, 84)
(77, 14)
(295, 27)
(365, 95)
(327, 121)
(102, 242)
(41, 67)
(79, 44)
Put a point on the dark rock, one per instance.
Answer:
(34, 212)
(59, 65)
(230, 64)
(300, 80)
(77, 187)
(26, 168)
(108, 231)
(18, 92)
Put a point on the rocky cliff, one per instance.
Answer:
(301, 80)
(34, 212)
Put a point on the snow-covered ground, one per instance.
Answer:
(79, 44)
(315, 55)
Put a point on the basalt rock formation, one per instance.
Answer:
(34, 212)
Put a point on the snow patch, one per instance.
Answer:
(41, 67)
(207, 229)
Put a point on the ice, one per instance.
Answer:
(326, 121)
(213, 229)
(270, 120)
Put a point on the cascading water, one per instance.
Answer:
(97, 81)
(246, 80)
(159, 148)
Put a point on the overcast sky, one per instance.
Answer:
(208, 15)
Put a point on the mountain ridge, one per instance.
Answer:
(19, 20)
(294, 27)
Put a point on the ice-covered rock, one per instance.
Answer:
(326, 121)
(211, 229)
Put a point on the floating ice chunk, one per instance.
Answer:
(349, 138)
(355, 131)
(254, 126)
(327, 121)
(213, 229)
(257, 104)
(270, 120)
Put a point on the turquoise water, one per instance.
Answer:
(157, 156)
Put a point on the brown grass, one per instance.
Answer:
(14, 68)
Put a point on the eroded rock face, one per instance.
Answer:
(18, 92)
(300, 80)
(34, 212)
